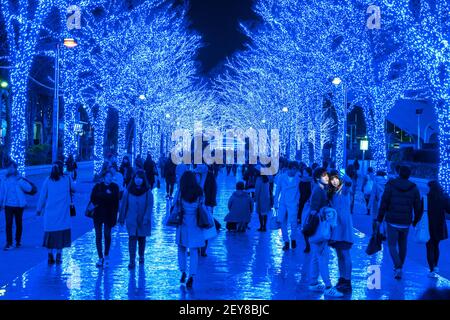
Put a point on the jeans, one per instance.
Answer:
(13, 213)
(344, 263)
(397, 237)
(433, 253)
(133, 242)
(319, 263)
(98, 238)
(288, 216)
(182, 260)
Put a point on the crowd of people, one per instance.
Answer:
(288, 200)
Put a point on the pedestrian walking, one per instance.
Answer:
(170, 176)
(136, 210)
(438, 205)
(367, 186)
(342, 234)
(305, 187)
(54, 205)
(126, 170)
(262, 200)
(151, 172)
(320, 250)
(210, 193)
(105, 197)
(240, 208)
(72, 167)
(399, 199)
(350, 171)
(287, 197)
(189, 235)
(250, 175)
(117, 178)
(13, 201)
(375, 197)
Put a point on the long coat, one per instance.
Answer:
(189, 235)
(137, 212)
(210, 190)
(343, 231)
(54, 202)
(436, 217)
(107, 204)
(262, 196)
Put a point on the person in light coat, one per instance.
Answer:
(13, 200)
(342, 234)
(54, 205)
(189, 235)
(286, 199)
(379, 185)
(136, 210)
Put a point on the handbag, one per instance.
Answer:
(205, 219)
(175, 216)
(90, 210)
(33, 190)
(311, 224)
(375, 243)
(73, 211)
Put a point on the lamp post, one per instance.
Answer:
(418, 113)
(338, 81)
(69, 43)
(363, 146)
(3, 90)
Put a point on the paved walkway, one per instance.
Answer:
(238, 266)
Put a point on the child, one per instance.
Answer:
(240, 205)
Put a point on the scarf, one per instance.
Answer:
(135, 191)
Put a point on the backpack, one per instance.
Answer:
(33, 190)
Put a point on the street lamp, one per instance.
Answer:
(285, 109)
(418, 113)
(69, 43)
(4, 84)
(338, 81)
(142, 97)
(363, 146)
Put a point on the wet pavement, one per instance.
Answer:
(238, 266)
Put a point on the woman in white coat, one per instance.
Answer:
(54, 204)
(189, 235)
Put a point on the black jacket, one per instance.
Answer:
(170, 171)
(210, 190)
(399, 199)
(438, 204)
(107, 204)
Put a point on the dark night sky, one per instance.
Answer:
(218, 23)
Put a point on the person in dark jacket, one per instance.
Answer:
(71, 166)
(126, 170)
(306, 183)
(170, 176)
(399, 199)
(438, 205)
(105, 198)
(150, 170)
